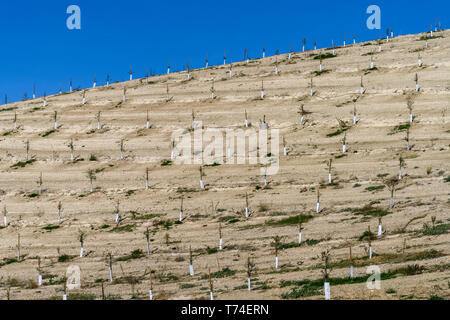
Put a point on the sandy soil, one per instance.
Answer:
(373, 151)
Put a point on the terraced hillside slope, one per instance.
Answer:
(412, 252)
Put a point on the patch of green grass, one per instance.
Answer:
(375, 188)
(319, 73)
(188, 285)
(146, 216)
(436, 230)
(8, 109)
(165, 163)
(7, 133)
(310, 288)
(136, 254)
(382, 175)
(7, 261)
(435, 297)
(429, 37)
(92, 157)
(337, 132)
(400, 128)
(294, 220)
(325, 56)
(50, 227)
(447, 179)
(33, 195)
(386, 258)
(229, 219)
(339, 156)
(22, 164)
(215, 164)
(65, 258)
(390, 291)
(224, 273)
(124, 228)
(47, 133)
(366, 235)
(368, 210)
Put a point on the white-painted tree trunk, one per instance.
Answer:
(246, 123)
(372, 65)
(92, 188)
(334, 52)
(400, 174)
(121, 155)
(327, 290)
(64, 296)
(150, 294)
(94, 85)
(220, 244)
(202, 185)
(15, 125)
(110, 275)
(329, 178)
(5, 223)
(276, 262)
(39, 280)
(311, 92)
(411, 118)
(148, 124)
(354, 120)
(320, 67)
(276, 70)
(284, 151)
(420, 63)
(391, 203)
(417, 87)
(351, 271)
(124, 98)
(318, 207)
(55, 125)
(189, 76)
(362, 90)
(246, 213)
(98, 125)
(148, 248)
(370, 252)
(81, 252)
(131, 77)
(290, 56)
(172, 156)
(181, 216)
(344, 148)
(117, 218)
(191, 269)
(59, 219)
(302, 120)
(299, 238)
(380, 230)
(146, 184)
(379, 48)
(231, 73)
(45, 103)
(249, 284)
(168, 70)
(262, 94)
(211, 295)
(265, 181)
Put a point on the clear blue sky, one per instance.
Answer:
(36, 45)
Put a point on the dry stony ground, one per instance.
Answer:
(413, 261)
